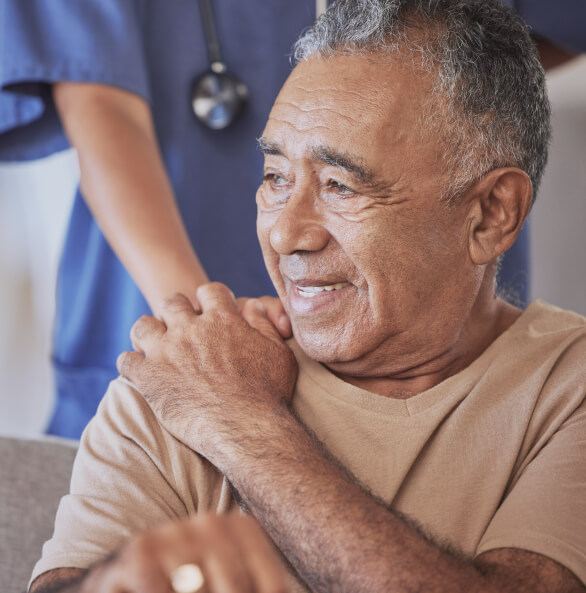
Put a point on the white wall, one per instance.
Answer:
(35, 200)
(558, 231)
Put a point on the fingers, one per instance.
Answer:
(146, 562)
(276, 313)
(232, 552)
(238, 556)
(144, 331)
(223, 563)
(176, 310)
(266, 567)
(255, 314)
(216, 296)
(129, 363)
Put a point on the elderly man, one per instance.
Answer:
(419, 433)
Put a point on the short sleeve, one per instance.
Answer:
(545, 512)
(129, 475)
(44, 41)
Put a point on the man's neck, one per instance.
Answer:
(482, 330)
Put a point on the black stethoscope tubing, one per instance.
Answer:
(211, 35)
(218, 97)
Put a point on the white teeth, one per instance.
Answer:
(311, 291)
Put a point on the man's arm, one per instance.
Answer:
(337, 536)
(502, 570)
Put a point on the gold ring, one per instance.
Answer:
(187, 578)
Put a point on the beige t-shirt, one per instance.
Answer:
(494, 456)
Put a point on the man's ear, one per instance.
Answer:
(500, 203)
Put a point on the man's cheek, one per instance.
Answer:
(272, 265)
(265, 222)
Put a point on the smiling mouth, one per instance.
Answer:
(309, 292)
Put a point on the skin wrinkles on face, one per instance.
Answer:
(327, 155)
(350, 197)
(353, 208)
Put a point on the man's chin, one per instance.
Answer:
(323, 346)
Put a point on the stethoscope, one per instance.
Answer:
(218, 97)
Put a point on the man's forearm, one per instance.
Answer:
(220, 385)
(336, 535)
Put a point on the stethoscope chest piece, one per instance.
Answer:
(218, 98)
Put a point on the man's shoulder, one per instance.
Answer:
(544, 330)
(125, 416)
(548, 318)
(125, 420)
(543, 363)
(123, 399)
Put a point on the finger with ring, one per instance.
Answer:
(187, 578)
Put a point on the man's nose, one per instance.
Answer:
(300, 225)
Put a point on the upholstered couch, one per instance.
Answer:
(34, 475)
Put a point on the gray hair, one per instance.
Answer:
(494, 110)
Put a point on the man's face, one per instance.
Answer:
(372, 269)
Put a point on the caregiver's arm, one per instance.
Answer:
(126, 187)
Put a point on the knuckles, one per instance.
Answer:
(131, 365)
(143, 325)
(212, 289)
(141, 548)
(123, 363)
(205, 523)
(177, 298)
(176, 303)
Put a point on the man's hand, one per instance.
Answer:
(232, 552)
(274, 311)
(210, 376)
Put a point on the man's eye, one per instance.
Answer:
(275, 180)
(340, 188)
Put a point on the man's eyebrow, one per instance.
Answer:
(344, 161)
(268, 147)
(326, 155)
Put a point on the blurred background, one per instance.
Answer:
(35, 201)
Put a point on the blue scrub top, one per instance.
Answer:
(152, 48)
(155, 49)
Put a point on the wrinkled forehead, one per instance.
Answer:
(368, 96)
